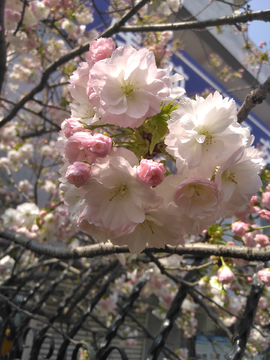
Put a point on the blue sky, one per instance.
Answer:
(259, 30)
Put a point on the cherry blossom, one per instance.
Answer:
(225, 275)
(264, 275)
(205, 131)
(125, 88)
(150, 172)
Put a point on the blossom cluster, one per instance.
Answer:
(39, 224)
(144, 165)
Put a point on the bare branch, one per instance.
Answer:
(3, 50)
(22, 17)
(194, 25)
(246, 322)
(90, 251)
(57, 127)
(254, 98)
(65, 58)
(176, 279)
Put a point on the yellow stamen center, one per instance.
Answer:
(127, 88)
(119, 191)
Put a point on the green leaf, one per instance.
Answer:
(157, 125)
(138, 145)
(265, 174)
(64, 102)
(16, 147)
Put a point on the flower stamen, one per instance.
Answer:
(121, 190)
(127, 88)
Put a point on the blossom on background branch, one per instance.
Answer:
(3, 50)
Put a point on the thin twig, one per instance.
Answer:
(193, 25)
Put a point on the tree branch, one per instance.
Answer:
(193, 25)
(3, 50)
(246, 322)
(90, 251)
(65, 58)
(254, 98)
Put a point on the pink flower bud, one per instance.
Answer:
(264, 275)
(240, 228)
(249, 237)
(225, 275)
(151, 172)
(249, 279)
(240, 262)
(262, 43)
(12, 15)
(264, 214)
(266, 199)
(262, 240)
(71, 126)
(99, 145)
(34, 228)
(253, 200)
(75, 148)
(230, 242)
(101, 49)
(42, 213)
(78, 173)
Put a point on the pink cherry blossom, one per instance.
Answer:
(78, 82)
(159, 227)
(238, 178)
(197, 197)
(264, 214)
(107, 305)
(71, 126)
(151, 172)
(78, 173)
(39, 9)
(114, 185)
(99, 145)
(225, 275)
(240, 228)
(100, 49)
(262, 240)
(266, 199)
(76, 150)
(125, 89)
(203, 131)
(264, 275)
(252, 207)
(250, 236)
(42, 213)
